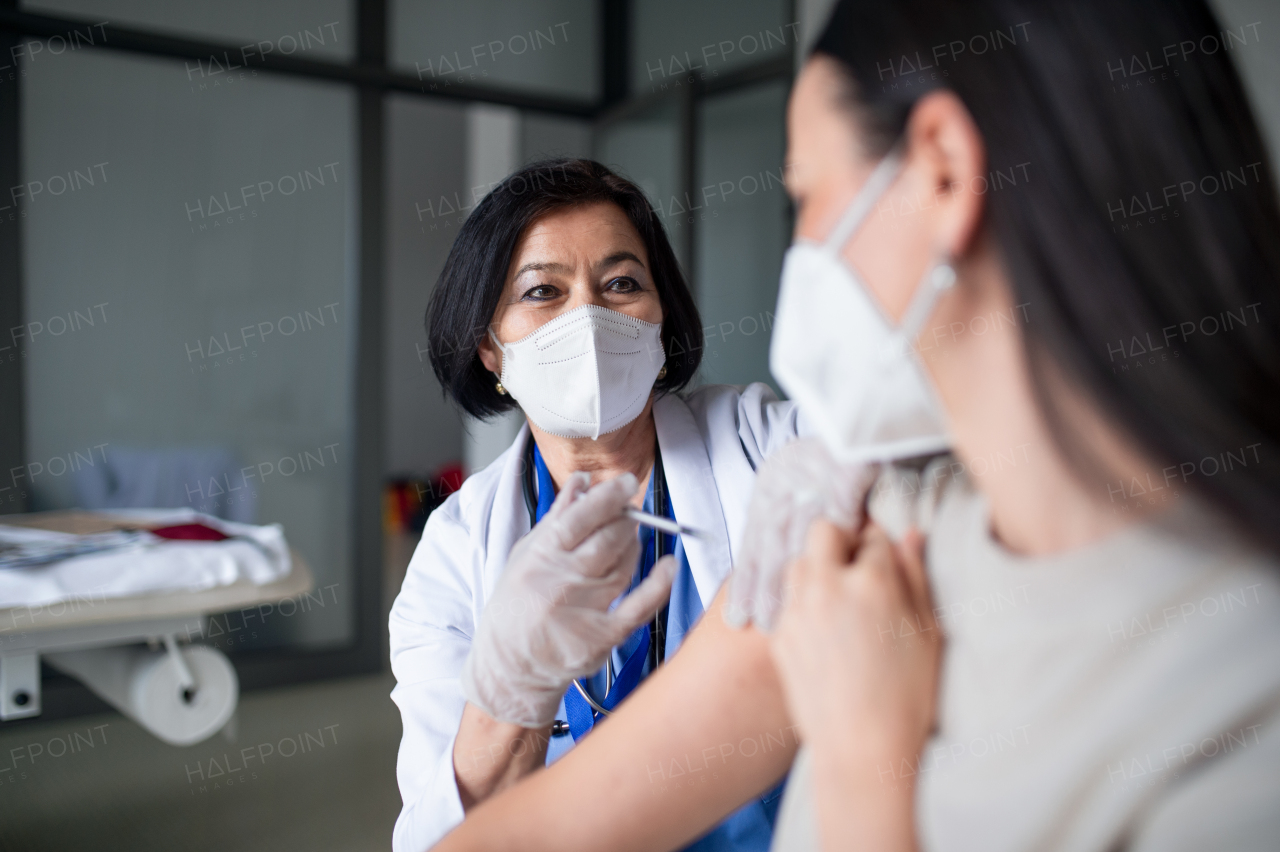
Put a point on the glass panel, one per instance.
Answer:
(189, 287)
(551, 47)
(744, 229)
(672, 39)
(424, 432)
(315, 29)
(645, 147)
(424, 196)
(543, 137)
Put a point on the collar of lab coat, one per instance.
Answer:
(508, 505)
(691, 484)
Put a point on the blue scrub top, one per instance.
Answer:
(748, 829)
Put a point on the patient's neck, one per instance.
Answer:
(626, 450)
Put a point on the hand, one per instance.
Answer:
(548, 621)
(858, 653)
(797, 484)
(857, 648)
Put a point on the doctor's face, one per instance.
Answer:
(575, 256)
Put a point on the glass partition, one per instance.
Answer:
(673, 40)
(645, 147)
(548, 48)
(743, 230)
(189, 287)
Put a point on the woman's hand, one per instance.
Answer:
(797, 484)
(548, 621)
(858, 652)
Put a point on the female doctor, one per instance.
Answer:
(562, 296)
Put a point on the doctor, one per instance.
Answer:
(562, 296)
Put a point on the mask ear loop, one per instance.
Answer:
(885, 173)
(937, 280)
(502, 349)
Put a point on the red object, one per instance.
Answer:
(449, 479)
(190, 532)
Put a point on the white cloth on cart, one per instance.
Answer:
(259, 554)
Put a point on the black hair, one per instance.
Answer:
(1146, 227)
(471, 283)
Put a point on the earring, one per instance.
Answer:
(662, 374)
(500, 389)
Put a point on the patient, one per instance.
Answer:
(1102, 548)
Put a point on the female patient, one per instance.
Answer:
(1102, 553)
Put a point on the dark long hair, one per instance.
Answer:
(1144, 234)
(475, 272)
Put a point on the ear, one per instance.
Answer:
(490, 355)
(946, 144)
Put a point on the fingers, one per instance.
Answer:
(572, 520)
(828, 543)
(645, 600)
(911, 557)
(771, 582)
(878, 555)
(784, 579)
(765, 548)
(849, 485)
(758, 580)
(898, 568)
(827, 549)
(614, 544)
(738, 609)
(579, 481)
(797, 484)
(910, 553)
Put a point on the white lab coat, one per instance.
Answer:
(711, 440)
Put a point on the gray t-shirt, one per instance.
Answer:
(1123, 696)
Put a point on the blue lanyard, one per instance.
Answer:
(637, 649)
(749, 828)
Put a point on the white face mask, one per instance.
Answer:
(585, 373)
(853, 374)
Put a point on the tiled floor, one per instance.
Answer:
(311, 768)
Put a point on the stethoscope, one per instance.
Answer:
(662, 545)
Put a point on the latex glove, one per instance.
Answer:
(549, 621)
(795, 485)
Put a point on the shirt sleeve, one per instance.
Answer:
(431, 626)
(766, 423)
(1226, 803)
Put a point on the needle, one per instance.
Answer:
(665, 524)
